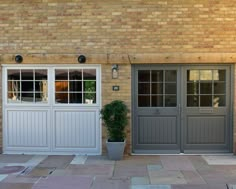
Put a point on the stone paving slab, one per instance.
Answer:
(15, 185)
(140, 181)
(151, 187)
(139, 160)
(176, 163)
(41, 172)
(2, 177)
(166, 177)
(92, 170)
(58, 162)
(64, 182)
(14, 158)
(79, 160)
(220, 159)
(231, 186)
(199, 163)
(193, 177)
(20, 179)
(99, 160)
(130, 171)
(200, 186)
(110, 183)
(11, 169)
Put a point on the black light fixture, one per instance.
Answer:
(18, 58)
(81, 59)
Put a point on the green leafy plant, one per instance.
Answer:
(115, 119)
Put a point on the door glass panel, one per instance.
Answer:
(170, 75)
(206, 75)
(192, 100)
(157, 101)
(89, 74)
(61, 97)
(144, 76)
(89, 98)
(157, 76)
(219, 88)
(61, 85)
(75, 74)
(219, 75)
(27, 75)
(206, 100)
(192, 75)
(27, 97)
(61, 75)
(76, 98)
(192, 88)
(41, 75)
(75, 86)
(143, 101)
(13, 74)
(170, 88)
(219, 100)
(157, 88)
(206, 88)
(170, 101)
(144, 88)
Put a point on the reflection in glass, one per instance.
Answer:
(76, 98)
(14, 97)
(219, 100)
(89, 74)
(40, 97)
(170, 101)
(75, 74)
(61, 86)
(40, 74)
(27, 75)
(13, 86)
(205, 88)
(192, 75)
(205, 75)
(157, 101)
(89, 98)
(206, 100)
(75, 86)
(27, 97)
(27, 86)
(170, 75)
(170, 88)
(143, 88)
(157, 88)
(143, 101)
(219, 75)
(61, 74)
(61, 97)
(13, 74)
(193, 88)
(89, 86)
(157, 76)
(192, 101)
(144, 75)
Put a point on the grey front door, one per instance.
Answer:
(181, 109)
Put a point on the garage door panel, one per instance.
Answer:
(75, 129)
(28, 128)
(206, 130)
(157, 130)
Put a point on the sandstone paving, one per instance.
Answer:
(140, 181)
(193, 177)
(200, 186)
(112, 183)
(99, 160)
(14, 158)
(15, 185)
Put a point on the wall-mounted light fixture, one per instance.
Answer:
(114, 70)
(81, 59)
(18, 58)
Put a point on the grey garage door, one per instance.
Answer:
(181, 109)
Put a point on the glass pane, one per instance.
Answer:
(89, 86)
(219, 88)
(157, 101)
(27, 75)
(89, 98)
(192, 75)
(13, 97)
(41, 86)
(219, 100)
(157, 88)
(89, 74)
(75, 74)
(157, 76)
(192, 101)
(41, 75)
(170, 75)
(61, 85)
(76, 98)
(144, 101)
(193, 88)
(170, 88)
(41, 97)
(144, 75)
(61, 74)
(61, 97)
(13, 74)
(170, 101)
(205, 88)
(143, 88)
(206, 75)
(27, 97)
(219, 75)
(13, 86)
(76, 86)
(206, 100)
(27, 86)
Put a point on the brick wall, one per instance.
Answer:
(118, 31)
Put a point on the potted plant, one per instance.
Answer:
(115, 119)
